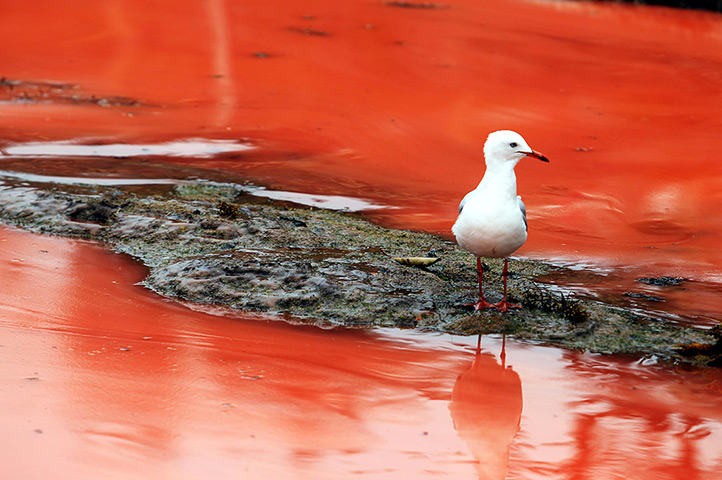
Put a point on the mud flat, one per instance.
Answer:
(218, 243)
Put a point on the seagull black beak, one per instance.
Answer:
(536, 155)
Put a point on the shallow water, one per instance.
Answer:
(388, 106)
(101, 378)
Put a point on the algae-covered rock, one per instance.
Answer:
(213, 243)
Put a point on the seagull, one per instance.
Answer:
(492, 217)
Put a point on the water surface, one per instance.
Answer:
(101, 378)
(385, 106)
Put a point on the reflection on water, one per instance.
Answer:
(631, 425)
(99, 379)
(102, 379)
(486, 406)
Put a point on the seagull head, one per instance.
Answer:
(505, 146)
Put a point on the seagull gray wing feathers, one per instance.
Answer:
(461, 205)
(522, 207)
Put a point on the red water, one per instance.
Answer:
(389, 104)
(101, 379)
(393, 104)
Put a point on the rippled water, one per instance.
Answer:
(372, 105)
(102, 378)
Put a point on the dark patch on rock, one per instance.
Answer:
(294, 221)
(101, 213)
(708, 353)
(228, 210)
(210, 224)
(644, 296)
(662, 281)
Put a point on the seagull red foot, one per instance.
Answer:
(481, 304)
(505, 306)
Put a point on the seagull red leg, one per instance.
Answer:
(504, 306)
(482, 303)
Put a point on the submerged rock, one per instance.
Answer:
(214, 243)
(662, 281)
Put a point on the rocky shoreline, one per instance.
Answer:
(215, 243)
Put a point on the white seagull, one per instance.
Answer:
(492, 217)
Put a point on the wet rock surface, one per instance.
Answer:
(662, 281)
(213, 243)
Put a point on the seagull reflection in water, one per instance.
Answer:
(486, 405)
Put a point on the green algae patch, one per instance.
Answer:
(214, 243)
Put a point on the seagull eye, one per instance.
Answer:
(513, 145)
